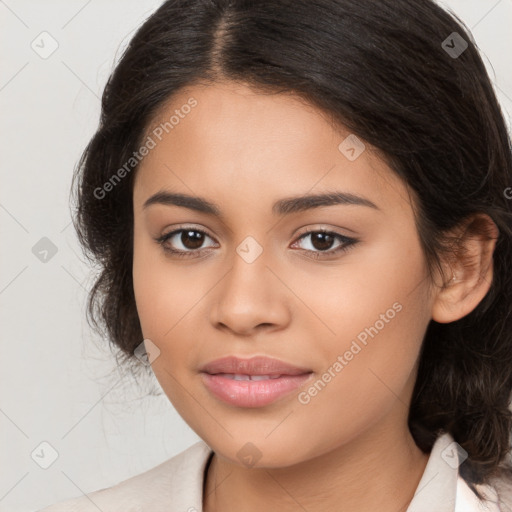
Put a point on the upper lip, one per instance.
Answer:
(258, 365)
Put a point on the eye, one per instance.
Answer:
(185, 242)
(321, 242)
(188, 242)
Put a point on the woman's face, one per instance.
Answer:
(348, 309)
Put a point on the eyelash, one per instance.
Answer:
(347, 243)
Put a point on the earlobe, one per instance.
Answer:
(470, 270)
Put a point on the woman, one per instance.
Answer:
(301, 213)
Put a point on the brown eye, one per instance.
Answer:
(192, 239)
(321, 243)
(184, 242)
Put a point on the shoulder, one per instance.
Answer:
(177, 481)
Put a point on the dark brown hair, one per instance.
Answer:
(386, 70)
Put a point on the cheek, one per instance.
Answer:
(368, 373)
(364, 291)
(374, 314)
(165, 299)
(164, 293)
(169, 301)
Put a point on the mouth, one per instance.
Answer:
(254, 366)
(254, 382)
(242, 376)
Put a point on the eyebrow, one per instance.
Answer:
(282, 207)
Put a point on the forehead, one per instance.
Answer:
(228, 139)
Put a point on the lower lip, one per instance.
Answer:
(249, 393)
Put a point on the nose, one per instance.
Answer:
(250, 297)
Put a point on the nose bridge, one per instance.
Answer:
(248, 277)
(249, 294)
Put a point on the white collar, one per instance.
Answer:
(442, 489)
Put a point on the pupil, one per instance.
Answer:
(190, 241)
(325, 240)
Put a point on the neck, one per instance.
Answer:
(379, 470)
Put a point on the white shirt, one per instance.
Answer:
(176, 485)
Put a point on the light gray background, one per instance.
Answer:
(58, 384)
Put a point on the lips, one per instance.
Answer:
(258, 365)
(254, 382)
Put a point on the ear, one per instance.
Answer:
(467, 271)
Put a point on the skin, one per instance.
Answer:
(244, 150)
